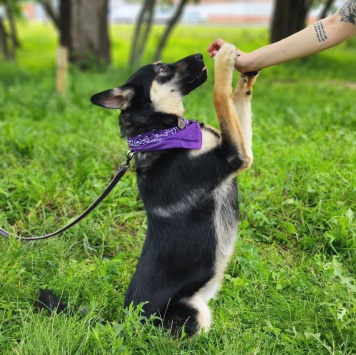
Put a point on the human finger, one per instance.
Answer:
(215, 46)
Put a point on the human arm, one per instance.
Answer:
(315, 38)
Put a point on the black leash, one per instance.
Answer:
(119, 174)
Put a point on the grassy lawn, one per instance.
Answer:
(290, 287)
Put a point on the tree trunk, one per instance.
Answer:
(171, 24)
(146, 30)
(289, 17)
(142, 31)
(84, 31)
(15, 43)
(326, 9)
(51, 12)
(3, 40)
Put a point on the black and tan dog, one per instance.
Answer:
(190, 195)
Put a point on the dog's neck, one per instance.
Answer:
(186, 134)
(132, 124)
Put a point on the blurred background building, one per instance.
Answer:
(237, 12)
(250, 12)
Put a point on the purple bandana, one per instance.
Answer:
(189, 137)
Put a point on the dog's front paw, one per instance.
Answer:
(226, 56)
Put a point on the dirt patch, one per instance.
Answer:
(350, 84)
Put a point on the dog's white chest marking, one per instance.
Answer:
(209, 142)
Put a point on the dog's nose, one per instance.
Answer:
(198, 56)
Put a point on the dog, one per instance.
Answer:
(186, 175)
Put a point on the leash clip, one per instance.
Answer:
(129, 156)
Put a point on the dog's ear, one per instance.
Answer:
(119, 97)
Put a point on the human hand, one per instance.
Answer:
(215, 46)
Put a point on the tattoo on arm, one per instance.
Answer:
(348, 12)
(320, 32)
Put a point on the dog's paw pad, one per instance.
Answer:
(253, 74)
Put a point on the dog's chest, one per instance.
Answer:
(173, 184)
(192, 210)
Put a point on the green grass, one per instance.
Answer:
(290, 287)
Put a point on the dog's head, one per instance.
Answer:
(154, 90)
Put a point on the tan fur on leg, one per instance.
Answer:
(242, 102)
(231, 127)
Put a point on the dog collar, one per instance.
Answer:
(187, 135)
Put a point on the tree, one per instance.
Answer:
(9, 41)
(83, 29)
(4, 40)
(143, 28)
(142, 31)
(51, 12)
(169, 28)
(290, 16)
(12, 11)
(326, 8)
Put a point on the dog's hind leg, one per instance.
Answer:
(49, 302)
(242, 102)
(192, 313)
(233, 129)
(203, 315)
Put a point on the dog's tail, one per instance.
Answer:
(48, 302)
